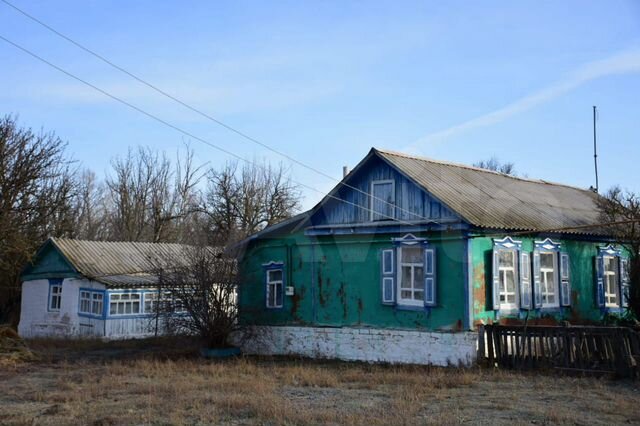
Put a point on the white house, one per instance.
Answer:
(77, 288)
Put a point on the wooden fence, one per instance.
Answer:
(612, 350)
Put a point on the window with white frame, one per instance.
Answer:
(610, 276)
(548, 280)
(382, 200)
(55, 295)
(150, 302)
(411, 275)
(275, 285)
(507, 278)
(91, 302)
(124, 303)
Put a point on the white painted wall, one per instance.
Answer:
(37, 321)
(366, 344)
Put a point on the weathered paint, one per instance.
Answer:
(336, 282)
(365, 344)
(583, 309)
(412, 202)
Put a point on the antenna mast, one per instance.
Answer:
(595, 147)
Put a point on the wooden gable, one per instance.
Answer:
(49, 262)
(351, 202)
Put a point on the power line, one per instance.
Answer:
(204, 114)
(184, 132)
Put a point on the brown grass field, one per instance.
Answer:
(163, 382)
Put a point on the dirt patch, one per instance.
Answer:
(163, 382)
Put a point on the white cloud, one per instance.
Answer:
(620, 63)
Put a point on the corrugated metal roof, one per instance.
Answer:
(494, 200)
(120, 264)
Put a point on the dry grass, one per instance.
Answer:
(161, 382)
(13, 350)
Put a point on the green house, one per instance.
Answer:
(406, 256)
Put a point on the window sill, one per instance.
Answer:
(94, 316)
(420, 308)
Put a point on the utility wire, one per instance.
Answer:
(186, 133)
(204, 114)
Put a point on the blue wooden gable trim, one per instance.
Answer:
(412, 202)
(49, 262)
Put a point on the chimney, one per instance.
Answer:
(345, 171)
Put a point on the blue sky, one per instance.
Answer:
(325, 81)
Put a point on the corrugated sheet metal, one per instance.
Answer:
(494, 200)
(120, 264)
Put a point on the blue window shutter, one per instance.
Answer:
(430, 295)
(525, 281)
(624, 282)
(537, 295)
(565, 280)
(495, 290)
(388, 276)
(599, 264)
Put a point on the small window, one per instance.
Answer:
(275, 285)
(507, 279)
(382, 200)
(85, 302)
(55, 295)
(411, 275)
(548, 281)
(124, 304)
(150, 302)
(97, 303)
(611, 296)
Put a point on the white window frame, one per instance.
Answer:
(54, 295)
(413, 265)
(372, 212)
(502, 282)
(616, 278)
(272, 287)
(93, 302)
(543, 280)
(124, 303)
(85, 298)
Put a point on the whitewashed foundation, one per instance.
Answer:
(365, 344)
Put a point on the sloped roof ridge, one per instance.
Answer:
(478, 169)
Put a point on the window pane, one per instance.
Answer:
(546, 260)
(135, 296)
(405, 281)
(412, 255)
(120, 308)
(418, 278)
(506, 258)
(510, 281)
(136, 308)
(405, 294)
(275, 275)
(115, 297)
(113, 309)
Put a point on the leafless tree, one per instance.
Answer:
(495, 165)
(623, 209)
(198, 295)
(37, 189)
(242, 200)
(91, 208)
(150, 197)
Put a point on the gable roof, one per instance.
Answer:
(118, 263)
(490, 199)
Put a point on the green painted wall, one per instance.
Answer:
(583, 304)
(337, 283)
(49, 263)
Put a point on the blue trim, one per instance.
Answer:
(54, 282)
(385, 228)
(415, 308)
(104, 303)
(507, 243)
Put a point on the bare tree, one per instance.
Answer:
(623, 209)
(91, 208)
(150, 197)
(495, 165)
(37, 189)
(198, 295)
(242, 200)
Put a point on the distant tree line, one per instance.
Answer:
(145, 196)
